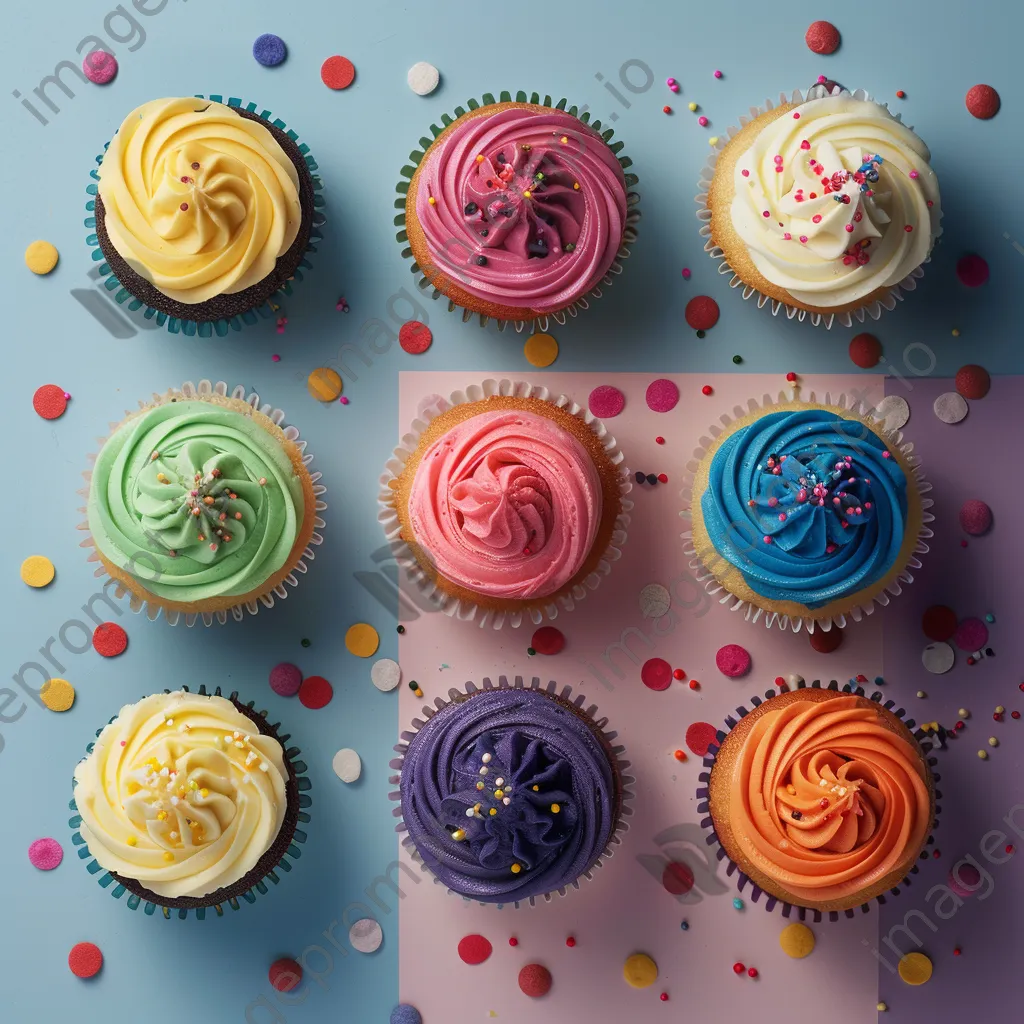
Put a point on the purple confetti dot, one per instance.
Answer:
(269, 50)
(285, 679)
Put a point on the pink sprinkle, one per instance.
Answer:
(849, 227)
(805, 144)
(45, 854)
(702, 121)
(822, 79)
(718, 74)
(670, 82)
(746, 174)
(816, 218)
(67, 396)
(803, 238)
(767, 539)
(782, 517)
(787, 236)
(766, 214)
(686, 273)
(796, 116)
(886, 455)
(913, 174)
(909, 228)
(344, 400)
(778, 169)
(276, 358)
(778, 159)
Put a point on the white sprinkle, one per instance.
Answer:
(247, 777)
(164, 772)
(235, 735)
(182, 728)
(175, 801)
(264, 767)
(174, 835)
(506, 801)
(823, 782)
(486, 759)
(499, 783)
(842, 791)
(484, 770)
(239, 744)
(250, 757)
(470, 812)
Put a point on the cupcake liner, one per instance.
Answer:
(538, 323)
(752, 612)
(462, 608)
(518, 683)
(153, 606)
(297, 773)
(268, 309)
(827, 320)
(742, 880)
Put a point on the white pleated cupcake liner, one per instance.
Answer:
(461, 608)
(809, 622)
(153, 608)
(873, 309)
(518, 683)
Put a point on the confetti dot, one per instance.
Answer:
(972, 270)
(37, 571)
(825, 641)
(347, 765)
(971, 635)
(109, 639)
(865, 351)
(41, 257)
(385, 674)
(49, 401)
(655, 601)
(284, 974)
(540, 349)
(973, 381)
(324, 384)
(366, 935)
(938, 658)
(640, 971)
(535, 981)
(797, 940)
(85, 960)
(606, 401)
(57, 694)
(964, 879)
(662, 395)
(414, 337)
(423, 78)
(939, 622)
(45, 854)
(982, 101)
(285, 679)
(975, 517)
(337, 72)
(656, 674)
(700, 736)
(547, 640)
(474, 949)
(733, 660)
(100, 67)
(702, 312)
(677, 878)
(822, 37)
(404, 1013)
(269, 50)
(894, 411)
(950, 407)
(315, 693)
(362, 640)
(915, 968)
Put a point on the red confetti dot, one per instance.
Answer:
(606, 401)
(656, 674)
(285, 974)
(109, 639)
(971, 635)
(982, 101)
(285, 679)
(822, 37)
(49, 401)
(938, 622)
(956, 951)
(414, 337)
(733, 660)
(865, 351)
(535, 981)
(975, 517)
(662, 395)
(738, 968)
(826, 641)
(972, 270)
(973, 381)
(315, 692)
(677, 878)
(337, 72)
(700, 736)
(85, 960)
(702, 312)
(45, 854)
(548, 640)
(679, 755)
(570, 942)
(474, 949)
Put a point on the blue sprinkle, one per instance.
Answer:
(990, 617)
(879, 681)
(685, 925)
(405, 1014)
(737, 903)
(269, 50)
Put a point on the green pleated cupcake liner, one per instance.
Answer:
(269, 308)
(273, 877)
(539, 323)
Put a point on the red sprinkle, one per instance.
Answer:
(1015, 714)
(659, 440)
(822, 37)
(700, 736)
(900, 94)
(474, 949)
(982, 101)
(85, 960)
(656, 674)
(109, 639)
(707, 390)
(663, 478)
(547, 640)
(1010, 848)
(752, 972)
(414, 337)
(337, 72)
(791, 377)
(694, 685)
(49, 401)
(702, 312)
(315, 692)
(666, 110)
(513, 941)
(738, 968)
(865, 351)
(285, 974)
(678, 674)
(570, 942)
(663, 997)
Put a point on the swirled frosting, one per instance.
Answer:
(198, 200)
(524, 207)
(808, 506)
(196, 501)
(506, 504)
(826, 800)
(836, 199)
(508, 795)
(182, 794)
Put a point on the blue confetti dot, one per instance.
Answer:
(269, 50)
(737, 903)
(405, 1014)
(685, 925)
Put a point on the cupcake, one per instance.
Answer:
(510, 793)
(518, 210)
(825, 206)
(507, 505)
(806, 512)
(822, 799)
(203, 210)
(188, 801)
(199, 503)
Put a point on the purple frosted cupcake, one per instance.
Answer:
(511, 793)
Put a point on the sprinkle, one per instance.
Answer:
(415, 687)
(737, 903)
(900, 94)
(516, 868)
(713, 141)
(337, 72)
(679, 755)
(993, 742)
(555, 808)
(707, 390)
(666, 110)
(718, 74)
(983, 754)
(702, 121)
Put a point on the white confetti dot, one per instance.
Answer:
(950, 407)
(655, 601)
(366, 935)
(423, 78)
(386, 674)
(894, 411)
(938, 658)
(347, 765)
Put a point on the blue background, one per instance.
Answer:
(361, 137)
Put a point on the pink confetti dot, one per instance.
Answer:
(656, 674)
(606, 401)
(99, 67)
(45, 854)
(700, 736)
(285, 679)
(971, 635)
(733, 660)
(662, 395)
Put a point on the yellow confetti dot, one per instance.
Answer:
(41, 257)
(132, 841)
(161, 816)
(640, 971)
(479, 158)
(37, 571)
(362, 640)
(956, 333)
(458, 835)
(915, 968)
(791, 789)
(324, 384)
(540, 350)
(57, 694)
(797, 941)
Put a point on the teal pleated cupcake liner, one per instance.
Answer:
(269, 308)
(261, 888)
(539, 322)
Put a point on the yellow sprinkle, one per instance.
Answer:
(498, 794)
(791, 789)
(193, 784)
(493, 811)
(432, 201)
(956, 333)
(713, 141)
(132, 841)
(527, 194)
(37, 571)
(1000, 709)
(133, 788)
(516, 868)
(161, 816)
(161, 478)
(181, 791)
(692, 106)
(204, 793)
(993, 742)
(479, 158)
(882, 1007)
(458, 835)
(479, 785)
(983, 754)
(41, 257)
(57, 695)
(476, 807)
(168, 856)
(576, 185)
(564, 139)
(536, 789)
(555, 808)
